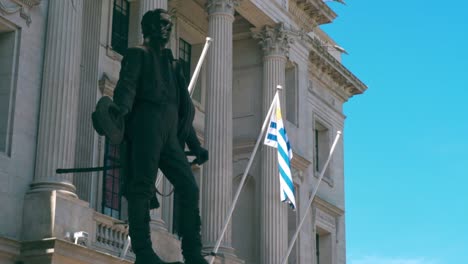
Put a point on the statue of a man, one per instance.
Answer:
(152, 96)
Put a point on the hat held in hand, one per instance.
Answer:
(107, 120)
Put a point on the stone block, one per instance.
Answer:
(166, 245)
(52, 214)
(9, 250)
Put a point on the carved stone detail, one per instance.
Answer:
(275, 40)
(221, 6)
(325, 219)
(298, 175)
(323, 61)
(316, 10)
(21, 6)
(301, 17)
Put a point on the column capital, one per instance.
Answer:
(221, 6)
(275, 40)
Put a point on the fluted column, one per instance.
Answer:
(58, 110)
(84, 156)
(217, 178)
(273, 214)
(137, 10)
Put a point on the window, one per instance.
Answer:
(185, 55)
(111, 200)
(292, 101)
(317, 248)
(8, 59)
(120, 24)
(323, 247)
(321, 147)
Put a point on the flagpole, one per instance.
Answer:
(195, 74)
(293, 240)
(244, 176)
(199, 64)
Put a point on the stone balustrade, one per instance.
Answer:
(110, 236)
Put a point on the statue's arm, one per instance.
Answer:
(125, 90)
(201, 154)
(192, 140)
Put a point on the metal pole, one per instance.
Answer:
(244, 176)
(199, 64)
(293, 240)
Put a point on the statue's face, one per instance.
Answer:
(162, 29)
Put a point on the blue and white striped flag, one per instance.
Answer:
(276, 137)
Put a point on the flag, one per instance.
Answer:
(276, 137)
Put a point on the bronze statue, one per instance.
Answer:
(151, 97)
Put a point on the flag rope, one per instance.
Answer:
(294, 238)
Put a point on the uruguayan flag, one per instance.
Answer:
(276, 137)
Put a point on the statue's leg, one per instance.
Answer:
(175, 166)
(145, 147)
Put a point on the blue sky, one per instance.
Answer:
(406, 138)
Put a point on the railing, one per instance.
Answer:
(110, 236)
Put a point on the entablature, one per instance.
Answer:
(252, 12)
(317, 12)
(323, 60)
(21, 6)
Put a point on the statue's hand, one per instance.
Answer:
(118, 112)
(201, 155)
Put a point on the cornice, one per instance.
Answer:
(254, 14)
(317, 10)
(301, 17)
(21, 6)
(327, 207)
(324, 61)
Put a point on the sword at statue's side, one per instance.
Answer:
(90, 169)
(191, 86)
(312, 196)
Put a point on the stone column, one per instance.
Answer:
(137, 10)
(217, 172)
(273, 214)
(86, 182)
(58, 110)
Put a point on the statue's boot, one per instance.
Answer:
(140, 234)
(191, 238)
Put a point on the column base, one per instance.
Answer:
(225, 255)
(61, 187)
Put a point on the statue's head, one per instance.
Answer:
(156, 26)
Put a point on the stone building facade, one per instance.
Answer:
(58, 57)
